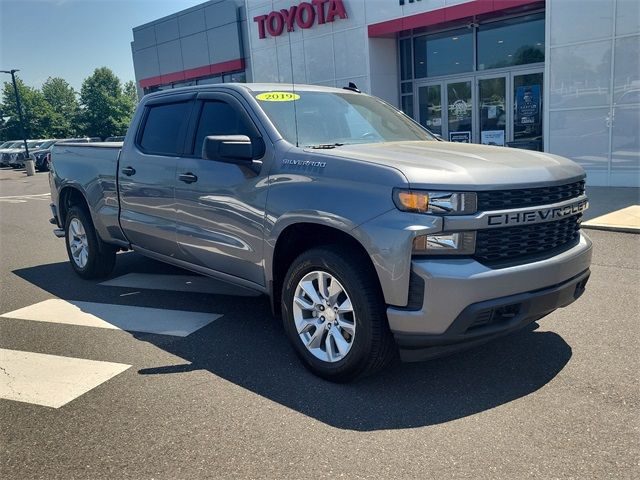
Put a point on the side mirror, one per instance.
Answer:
(228, 149)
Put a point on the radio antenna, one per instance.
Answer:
(293, 89)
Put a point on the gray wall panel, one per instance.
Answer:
(170, 57)
(167, 30)
(221, 14)
(144, 38)
(224, 43)
(195, 52)
(145, 63)
(192, 22)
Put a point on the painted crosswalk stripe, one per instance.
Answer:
(24, 198)
(178, 283)
(50, 380)
(122, 317)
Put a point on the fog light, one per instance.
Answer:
(456, 243)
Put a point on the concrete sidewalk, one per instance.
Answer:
(613, 208)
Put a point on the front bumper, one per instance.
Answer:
(465, 302)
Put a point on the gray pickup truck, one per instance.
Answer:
(370, 235)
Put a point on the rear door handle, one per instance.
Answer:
(187, 177)
(128, 171)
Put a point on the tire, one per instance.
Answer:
(364, 328)
(93, 258)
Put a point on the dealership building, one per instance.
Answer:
(560, 76)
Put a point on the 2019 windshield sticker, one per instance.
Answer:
(303, 163)
(278, 97)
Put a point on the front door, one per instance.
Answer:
(430, 107)
(220, 206)
(459, 101)
(492, 110)
(527, 110)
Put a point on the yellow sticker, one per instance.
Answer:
(278, 97)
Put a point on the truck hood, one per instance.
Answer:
(430, 164)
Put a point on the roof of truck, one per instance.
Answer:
(252, 87)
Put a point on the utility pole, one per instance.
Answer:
(19, 106)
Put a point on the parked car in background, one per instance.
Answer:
(114, 139)
(17, 158)
(6, 149)
(42, 154)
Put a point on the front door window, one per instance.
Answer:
(460, 111)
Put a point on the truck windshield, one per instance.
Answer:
(336, 118)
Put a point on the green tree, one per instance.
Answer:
(106, 108)
(131, 91)
(64, 105)
(38, 114)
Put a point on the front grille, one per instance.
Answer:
(528, 197)
(516, 243)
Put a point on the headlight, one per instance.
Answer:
(456, 243)
(439, 203)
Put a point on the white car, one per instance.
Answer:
(7, 148)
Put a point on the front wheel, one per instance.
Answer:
(90, 257)
(334, 314)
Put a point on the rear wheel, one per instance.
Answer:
(334, 314)
(90, 257)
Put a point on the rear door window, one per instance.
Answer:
(164, 128)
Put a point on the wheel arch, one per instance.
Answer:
(298, 237)
(68, 197)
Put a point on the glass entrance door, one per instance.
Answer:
(459, 103)
(492, 103)
(527, 111)
(430, 107)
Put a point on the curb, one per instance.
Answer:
(613, 228)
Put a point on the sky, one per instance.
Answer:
(70, 38)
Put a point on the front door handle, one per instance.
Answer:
(187, 177)
(128, 171)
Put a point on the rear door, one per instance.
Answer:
(220, 207)
(147, 174)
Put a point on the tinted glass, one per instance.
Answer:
(512, 42)
(527, 115)
(405, 59)
(407, 105)
(444, 53)
(162, 130)
(218, 118)
(345, 118)
(493, 112)
(430, 100)
(460, 107)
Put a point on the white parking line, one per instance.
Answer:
(121, 317)
(178, 283)
(50, 380)
(24, 198)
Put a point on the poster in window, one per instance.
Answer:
(493, 137)
(460, 137)
(528, 105)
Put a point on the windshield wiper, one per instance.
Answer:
(326, 145)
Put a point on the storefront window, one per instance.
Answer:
(407, 105)
(444, 53)
(405, 59)
(511, 42)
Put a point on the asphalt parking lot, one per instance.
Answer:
(215, 391)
